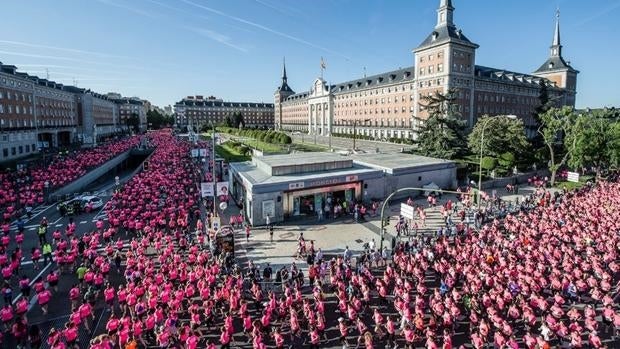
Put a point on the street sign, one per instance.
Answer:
(206, 189)
(573, 177)
(203, 152)
(406, 211)
(215, 223)
(195, 153)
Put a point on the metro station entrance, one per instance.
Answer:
(308, 202)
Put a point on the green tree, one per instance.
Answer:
(556, 129)
(238, 121)
(595, 137)
(501, 134)
(133, 122)
(442, 134)
(157, 120)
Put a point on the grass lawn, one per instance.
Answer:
(305, 147)
(573, 185)
(230, 154)
(264, 146)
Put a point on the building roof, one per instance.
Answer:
(262, 182)
(446, 34)
(555, 63)
(208, 103)
(284, 87)
(299, 163)
(399, 75)
(526, 80)
(401, 163)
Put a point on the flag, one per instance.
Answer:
(323, 65)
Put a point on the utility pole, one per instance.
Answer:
(213, 170)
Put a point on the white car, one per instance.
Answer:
(95, 201)
(296, 133)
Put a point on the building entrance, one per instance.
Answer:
(308, 202)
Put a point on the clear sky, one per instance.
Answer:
(163, 50)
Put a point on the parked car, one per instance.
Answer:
(94, 201)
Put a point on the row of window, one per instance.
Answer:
(431, 56)
(16, 96)
(376, 101)
(378, 111)
(18, 149)
(431, 69)
(397, 88)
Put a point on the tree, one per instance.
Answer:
(501, 135)
(442, 134)
(133, 122)
(238, 121)
(556, 129)
(157, 120)
(595, 136)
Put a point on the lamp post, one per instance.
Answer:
(355, 130)
(387, 200)
(213, 171)
(484, 126)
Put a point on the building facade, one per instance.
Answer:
(128, 107)
(391, 104)
(34, 113)
(198, 110)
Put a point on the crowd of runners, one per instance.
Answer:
(543, 277)
(23, 189)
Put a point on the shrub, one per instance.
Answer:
(489, 163)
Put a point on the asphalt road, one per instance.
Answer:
(347, 143)
(59, 307)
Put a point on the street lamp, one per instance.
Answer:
(484, 126)
(355, 131)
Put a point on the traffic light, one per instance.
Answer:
(145, 165)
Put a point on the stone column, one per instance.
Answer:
(314, 115)
(321, 117)
(309, 119)
(328, 118)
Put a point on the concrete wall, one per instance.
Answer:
(257, 208)
(382, 187)
(520, 179)
(374, 189)
(80, 183)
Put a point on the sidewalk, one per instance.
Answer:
(332, 236)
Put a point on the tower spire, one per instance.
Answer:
(556, 45)
(284, 70)
(445, 14)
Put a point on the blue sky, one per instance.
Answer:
(163, 50)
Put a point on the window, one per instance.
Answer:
(439, 67)
(5, 152)
(12, 150)
(430, 69)
(422, 71)
(21, 149)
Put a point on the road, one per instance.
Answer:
(347, 143)
(59, 309)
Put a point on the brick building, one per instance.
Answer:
(203, 111)
(34, 113)
(388, 105)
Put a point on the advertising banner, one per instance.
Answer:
(206, 189)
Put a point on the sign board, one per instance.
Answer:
(296, 185)
(215, 223)
(195, 153)
(573, 177)
(203, 152)
(206, 189)
(406, 211)
(352, 178)
(222, 188)
(269, 209)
